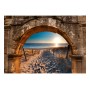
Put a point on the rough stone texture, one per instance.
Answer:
(72, 28)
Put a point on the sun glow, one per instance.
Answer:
(56, 41)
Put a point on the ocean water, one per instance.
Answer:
(44, 45)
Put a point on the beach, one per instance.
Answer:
(45, 61)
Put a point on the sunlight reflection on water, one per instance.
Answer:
(56, 45)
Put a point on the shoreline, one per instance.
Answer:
(46, 48)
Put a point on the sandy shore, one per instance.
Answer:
(44, 61)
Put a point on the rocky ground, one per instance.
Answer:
(45, 62)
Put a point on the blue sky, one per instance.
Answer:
(45, 37)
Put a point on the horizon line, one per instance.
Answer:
(33, 42)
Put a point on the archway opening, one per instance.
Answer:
(46, 52)
(37, 29)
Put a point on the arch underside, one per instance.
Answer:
(43, 28)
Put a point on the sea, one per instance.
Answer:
(44, 45)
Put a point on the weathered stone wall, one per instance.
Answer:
(73, 26)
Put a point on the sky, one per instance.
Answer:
(46, 37)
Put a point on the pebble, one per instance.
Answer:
(46, 62)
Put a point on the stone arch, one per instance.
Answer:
(42, 28)
(69, 30)
(74, 57)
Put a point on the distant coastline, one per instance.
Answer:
(44, 45)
